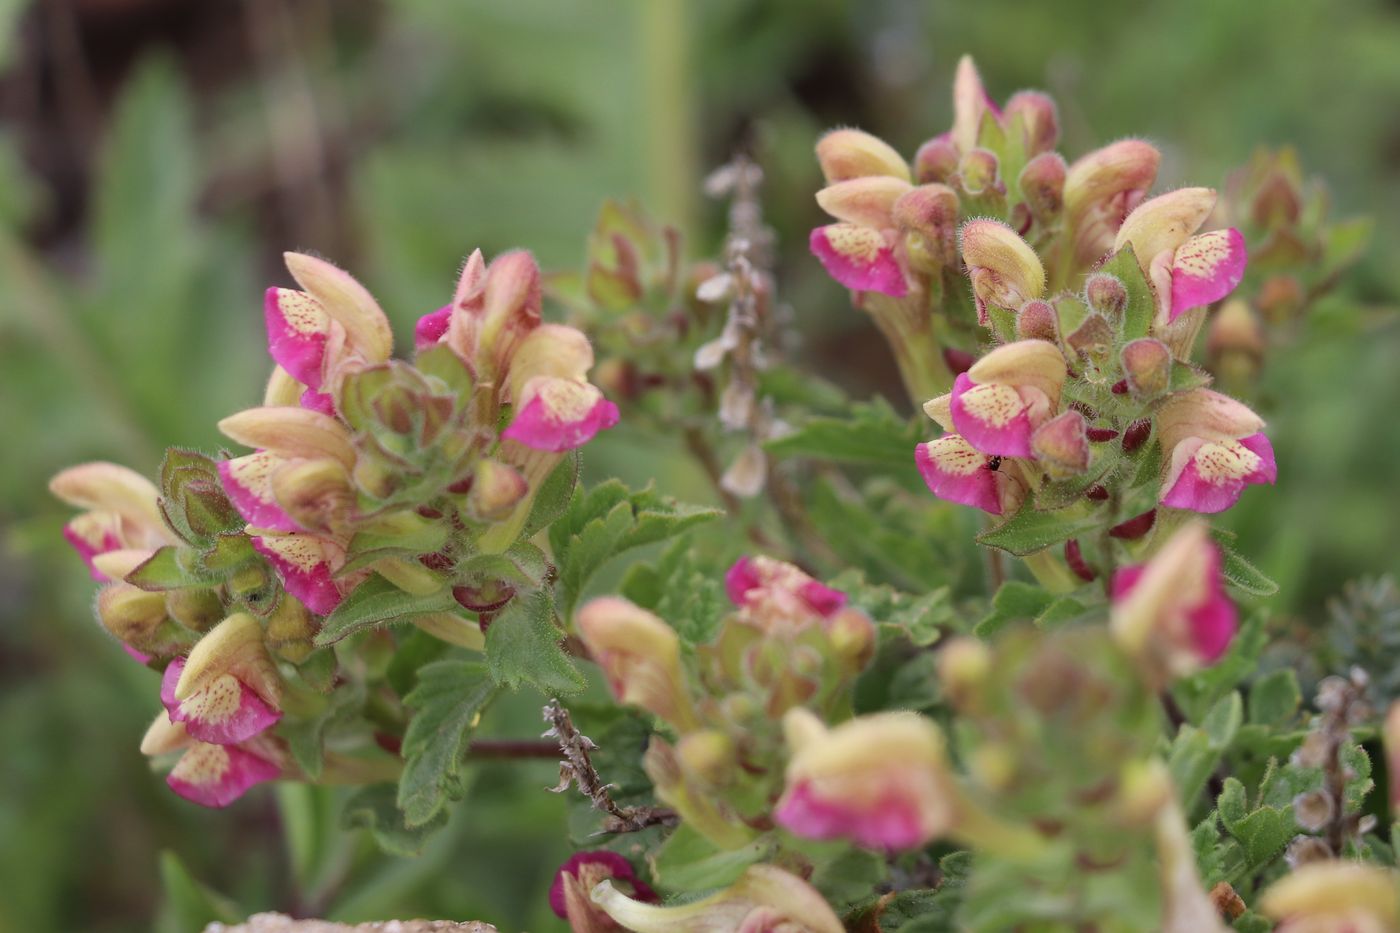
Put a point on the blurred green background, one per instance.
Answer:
(156, 157)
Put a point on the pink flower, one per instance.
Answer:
(297, 330)
(880, 781)
(1213, 448)
(761, 582)
(560, 414)
(1173, 611)
(955, 471)
(998, 403)
(121, 514)
(1186, 271)
(208, 774)
(306, 565)
(225, 711)
(576, 879)
(860, 258)
(334, 320)
(432, 327)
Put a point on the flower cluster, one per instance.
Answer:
(366, 472)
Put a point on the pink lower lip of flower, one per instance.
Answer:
(1206, 268)
(742, 579)
(217, 775)
(1212, 624)
(890, 824)
(88, 549)
(296, 334)
(302, 569)
(992, 418)
(432, 327)
(137, 656)
(858, 258)
(225, 713)
(1215, 475)
(955, 471)
(538, 428)
(323, 402)
(247, 483)
(612, 865)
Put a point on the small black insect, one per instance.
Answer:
(994, 464)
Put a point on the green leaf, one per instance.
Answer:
(166, 570)
(1244, 575)
(872, 434)
(1141, 306)
(687, 861)
(1275, 698)
(1263, 833)
(405, 535)
(522, 647)
(1029, 531)
(379, 602)
(681, 590)
(447, 704)
(189, 905)
(1014, 600)
(919, 617)
(608, 520)
(375, 808)
(1195, 753)
(554, 496)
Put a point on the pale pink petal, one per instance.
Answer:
(1211, 624)
(224, 712)
(746, 580)
(94, 533)
(562, 415)
(859, 258)
(217, 775)
(137, 656)
(297, 326)
(247, 482)
(432, 327)
(956, 471)
(1206, 268)
(892, 824)
(993, 418)
(301, 564)
(1208, 477)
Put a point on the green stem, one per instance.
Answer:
(908, 329)
(671, 140)
(1051, 572)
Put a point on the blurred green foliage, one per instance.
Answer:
(395, 143)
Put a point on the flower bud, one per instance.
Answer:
(852, 636)
(1037, 321)
(866, 201)
(1105, 294)
(971, 104)
(316, 493)
(1042, 184)
(139, 619)
(936, 160)
(774, 592)
(196, 608)
(1172, 612)
(640, 655)
(1005, 271)
(846, 154)
(345, 301)
(879, 780)
(1235, 329)
(1061, 445)
(978, 171)
(1101, 189)
(764, 898)
(1147, 365)
(511, 300)
(1280, 298)
(928, 217)
(290, 630)
(496, 488)
(584, 871)
(709, 756)
(963, 666)
(283, 389)
(1040, 120)
(1334, 895)
(452, 628)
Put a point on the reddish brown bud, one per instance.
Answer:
(1040, 120)
(936, 160)
(1147, 364)
(1062, 445)
(1042, 184)
(1105, 294)
(1037, 321)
